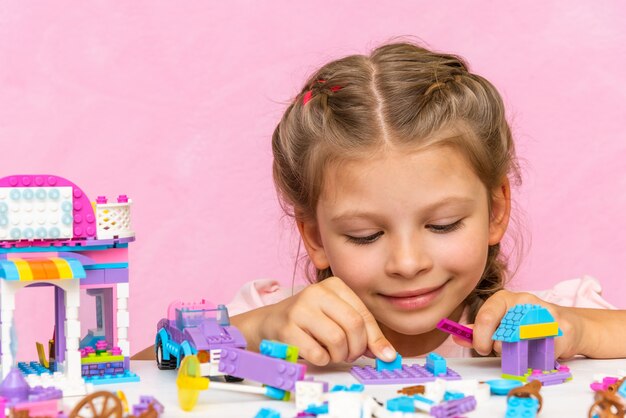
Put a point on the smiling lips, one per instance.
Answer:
(413, 299)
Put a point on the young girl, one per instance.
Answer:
(397, 168)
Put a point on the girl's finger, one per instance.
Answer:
(328, 334)
(376, 341)
(308, 347)
(487, 321)
(351, 322)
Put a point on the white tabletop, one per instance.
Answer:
(571, 399)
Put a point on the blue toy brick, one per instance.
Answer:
(389, 365)
(423, 399)
(368, 375)
(267, 413)
(452, 395)
(275, 393)
(521, 407)
(436, 364)
(401, 404)
(273, 349)
(106, 379)
(355, 387)
(32, 368)
(317, 409)
(508, 330)
(502, 387)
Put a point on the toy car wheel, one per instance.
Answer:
(162, 364)
(232, 379)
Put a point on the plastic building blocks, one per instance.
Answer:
(355, 387)
(527, 334)
(406, 374)
(197, 328)
(396, 364)
(436, 364)
(529, 390)
(503, 386)
(278, 350)
(621, 389)
(270, 371)
(454, 408)
(309, 393)
(401, 403)
(412, 390)
(267, 413)
(457, 329)
(521, 407)
(51, 233)
(605, 384)
(190, 382)
(606, 405)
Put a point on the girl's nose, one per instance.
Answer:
(408, 258)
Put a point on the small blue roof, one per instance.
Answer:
(526, 314)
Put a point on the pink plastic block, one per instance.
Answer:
(270, 371)
(604, 385)
(83, 216)
(457, 329)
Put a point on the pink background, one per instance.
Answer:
(173, 103)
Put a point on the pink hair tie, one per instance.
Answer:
(307, 96)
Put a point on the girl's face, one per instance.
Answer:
(408, 232)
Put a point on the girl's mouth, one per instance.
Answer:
(414, 299)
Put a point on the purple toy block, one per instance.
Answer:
(554, 377)
(457, 329)
(368, 375)
(270, 371)
(93, 277)
(116, 275)
(541, 353)
(454, 408)
(515, 358)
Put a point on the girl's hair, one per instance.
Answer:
(401, 95)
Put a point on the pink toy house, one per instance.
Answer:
(52, 235)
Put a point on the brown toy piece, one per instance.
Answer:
(607, 405)
(529, 390)
(101, 404)
(615, 386)
(412, 390)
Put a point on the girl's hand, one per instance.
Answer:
(493, 310)
(327, 321)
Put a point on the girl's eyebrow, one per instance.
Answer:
(431, 207)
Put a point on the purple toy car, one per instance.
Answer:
(196, 328)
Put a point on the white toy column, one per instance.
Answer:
(122, 318)
(72, 328)
(7, 307)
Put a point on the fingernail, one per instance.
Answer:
(389, 354)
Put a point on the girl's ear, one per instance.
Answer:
(500, 211)
(312, 240)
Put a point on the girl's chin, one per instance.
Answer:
(405, 327)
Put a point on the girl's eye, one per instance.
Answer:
(442, 229)
(364, 240)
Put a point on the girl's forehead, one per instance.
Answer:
(430, 173)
